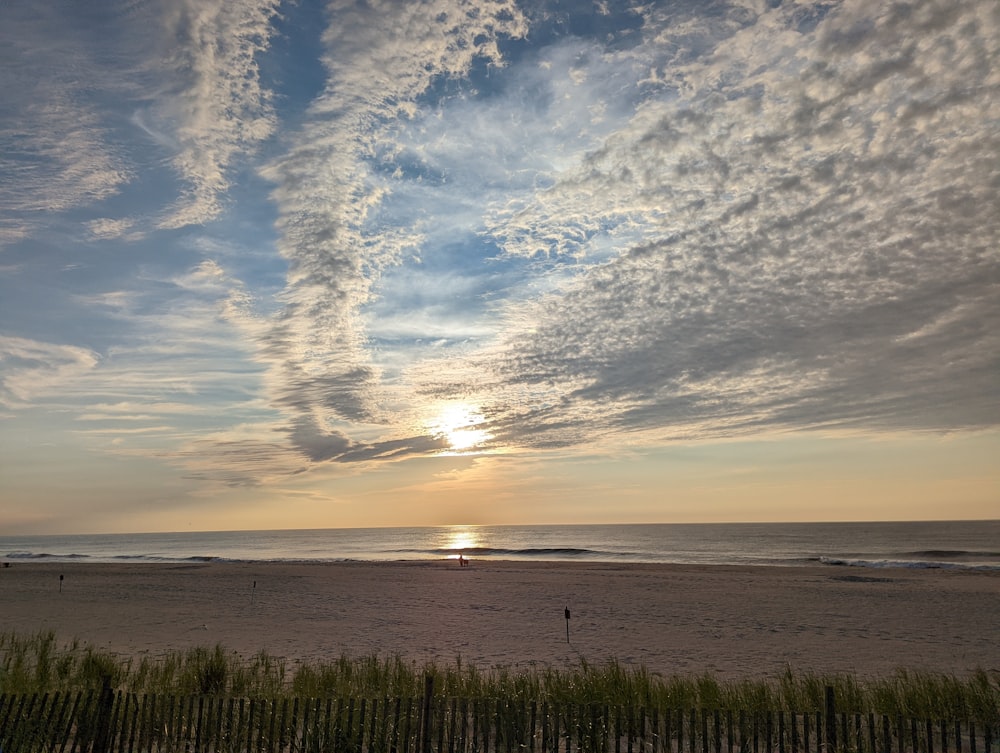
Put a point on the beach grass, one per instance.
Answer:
(39, 663)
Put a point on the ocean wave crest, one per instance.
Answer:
(45, 556)
(910, 564)
(486, 551)
(526, 552)
(952, 554)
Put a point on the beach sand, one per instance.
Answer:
(674, 619)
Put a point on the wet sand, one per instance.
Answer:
(673, 619)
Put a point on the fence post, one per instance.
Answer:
(425, 716)
(831, 720)
(105, 705)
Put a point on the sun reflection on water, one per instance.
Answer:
(461, 539)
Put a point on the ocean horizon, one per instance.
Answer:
(915, 544)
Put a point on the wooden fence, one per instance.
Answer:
(103, 721)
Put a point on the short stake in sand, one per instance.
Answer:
(567, 624)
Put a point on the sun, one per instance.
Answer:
(462, 426)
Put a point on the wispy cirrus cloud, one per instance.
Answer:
(32, 368)
(177, 369)
(56, 150)
(189, 72)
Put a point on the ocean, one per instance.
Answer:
(939, 544)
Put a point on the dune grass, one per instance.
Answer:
(38, 663)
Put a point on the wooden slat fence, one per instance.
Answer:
(96, 722)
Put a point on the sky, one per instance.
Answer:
(341, 263)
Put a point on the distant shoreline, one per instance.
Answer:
(729, 620)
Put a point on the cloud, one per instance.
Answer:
(178, 369)
(318, 444)
(220, 111)
(185, 73)
(236, 463)
(238, 457)
(817, 199)
(29, 368)
(107, 228)
(56, 153)
(676, 221)
(380, 58)
(749, 258)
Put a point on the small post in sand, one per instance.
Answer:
(60, 583)
(567, 624)
(252, 592)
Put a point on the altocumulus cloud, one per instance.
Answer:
(817, 192)
(587, 223)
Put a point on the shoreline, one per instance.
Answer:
(729, 621)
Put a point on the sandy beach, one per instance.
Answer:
(674, 619)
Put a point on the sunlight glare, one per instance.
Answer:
(461, 425)
(459, 539)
